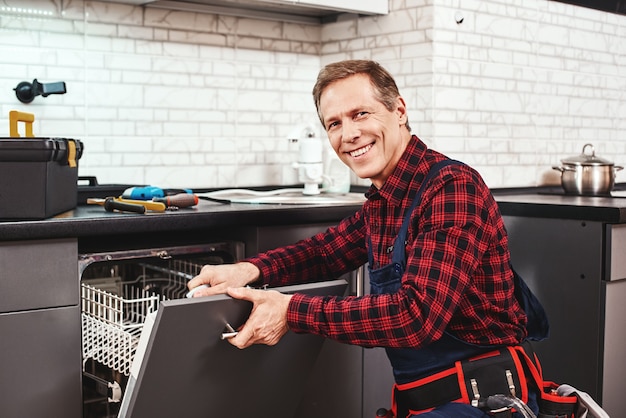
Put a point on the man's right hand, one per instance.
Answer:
(221, 277)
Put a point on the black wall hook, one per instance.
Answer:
(26, 92)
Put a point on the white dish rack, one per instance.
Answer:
(114, 311)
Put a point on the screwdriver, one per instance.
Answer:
(127, 205)
(110, 204)
(181, 200)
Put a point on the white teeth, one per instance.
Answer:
(361, 151)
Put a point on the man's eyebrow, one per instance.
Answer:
(351, 112)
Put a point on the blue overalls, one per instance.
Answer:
(410, 364)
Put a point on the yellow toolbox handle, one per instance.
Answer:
(71, 153)
(27, 118)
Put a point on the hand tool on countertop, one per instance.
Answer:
(180, 200)
(150, 192)
(128, 205)
(110, 204)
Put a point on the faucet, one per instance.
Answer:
(26, 92)
(310, 163)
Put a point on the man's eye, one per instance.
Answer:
(361, 114)
(332, 125)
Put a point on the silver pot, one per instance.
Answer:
(586, 174)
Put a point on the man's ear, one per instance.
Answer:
(401, 111)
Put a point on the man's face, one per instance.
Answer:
(366, 136)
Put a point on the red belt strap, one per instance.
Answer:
(496, 372)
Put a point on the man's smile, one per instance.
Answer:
(358, 152)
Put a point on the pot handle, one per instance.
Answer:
(618, 167)
(593, 151)
(563, 169)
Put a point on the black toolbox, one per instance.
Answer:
(38, 176)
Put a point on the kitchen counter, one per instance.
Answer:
(544, 205)
(93, 220)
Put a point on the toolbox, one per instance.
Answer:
(38, 176)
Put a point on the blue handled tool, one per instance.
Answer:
(143, 193)
(150, 192)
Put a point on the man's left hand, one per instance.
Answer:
(268, 320)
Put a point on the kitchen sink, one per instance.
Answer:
(291, 196)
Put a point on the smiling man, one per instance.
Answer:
(442, 289)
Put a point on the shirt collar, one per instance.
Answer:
(397, 185)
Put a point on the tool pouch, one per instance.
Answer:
(509, 371)
(495, 373)
(553, 405)
(471, 381)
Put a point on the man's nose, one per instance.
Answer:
(350, 131)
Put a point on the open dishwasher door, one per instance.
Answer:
(182, 367)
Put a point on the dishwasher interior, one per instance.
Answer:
(118, 291)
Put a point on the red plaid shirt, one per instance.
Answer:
(457, 276)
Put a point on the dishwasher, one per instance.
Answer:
(148, 351)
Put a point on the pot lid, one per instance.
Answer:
(586, 158)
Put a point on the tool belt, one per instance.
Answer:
(508, 371)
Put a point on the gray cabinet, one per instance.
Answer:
(40, 354)
(576, 268)
(40, 361)
(38, 274)
(348, 381)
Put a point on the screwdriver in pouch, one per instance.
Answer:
(180, 200)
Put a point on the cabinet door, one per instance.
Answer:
(335, 385)
(614, 370)
(347, 381)
(561, 261)
(38, 274)
(40, 364)
(615, 244)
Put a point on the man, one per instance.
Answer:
(442, 285)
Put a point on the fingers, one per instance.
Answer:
(203, 278)
(221, 277)
(268, 320)
(212, 280)
(245, 293)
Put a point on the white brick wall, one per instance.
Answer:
(180, 99)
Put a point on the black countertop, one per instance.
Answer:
(93, 221)
(552, 202)
(534, 205)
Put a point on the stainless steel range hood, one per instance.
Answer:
(299, 11)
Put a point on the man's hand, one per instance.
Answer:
(221, 277)
(268, 320)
